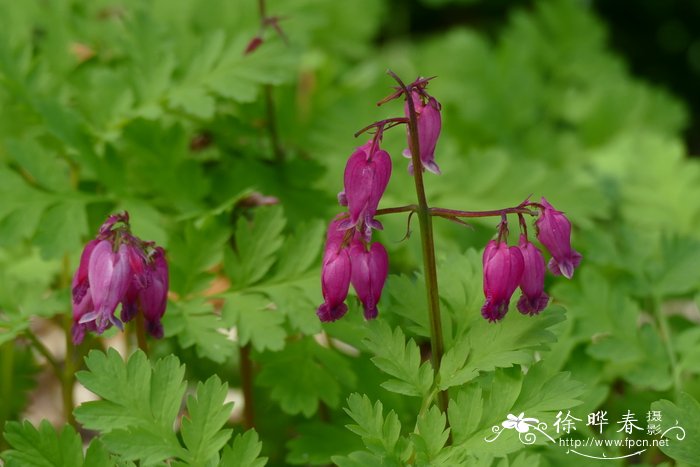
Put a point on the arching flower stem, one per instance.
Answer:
(453, 213)
(382, 125)
(397, 209)
(441, 212)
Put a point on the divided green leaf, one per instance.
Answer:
(139, 406)
(680, 424)
(195, 324)
(257, 242)
(202, 430)
(303, 375)
(399, 359)
(244, 452)
(43, 446)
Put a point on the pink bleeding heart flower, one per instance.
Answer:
(554, 232)
(154, 297)
(81, 297)
(366, 176)
(369, 272)
(118, 267)
(109, 274)
(80, 309)
(81, 284)
(503, 269)
(335, 275)
(429, 123)
(533, 298)
(140, 279)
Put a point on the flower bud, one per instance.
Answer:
(533, 298)
(366, 176)
(109, 274)
(154, 297)
(429, 124)
(335, 275)
(335, 282)
(369, 271)
(554, 232)
(81, 284)
(254, 43)
(503, 269)
(140, 278)
(80, 309)
(81, 296)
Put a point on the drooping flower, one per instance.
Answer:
(347, 259)
(369, 271)
(80, 308)
(503, 269)
(109, 274)
(429, 124)
(80, 290)
(335, 275)
(154, 297)
(81, 284)
(366, 176)
(335, 238)
(140, 278)
(533, 298)
(115, 268)
(554, 232)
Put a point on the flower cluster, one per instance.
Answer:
(508, 267)
(118, 267)
(350, 257)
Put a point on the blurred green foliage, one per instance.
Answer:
(153, 107)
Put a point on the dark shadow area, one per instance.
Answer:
(659, 39)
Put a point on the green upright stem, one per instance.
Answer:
(141, 333)
(272, 124)
(270, 102)
(69, 364)
(7, 364)
(41, 348)
(667, 337)
(68, 374)
(428, 245)
(246, 365)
